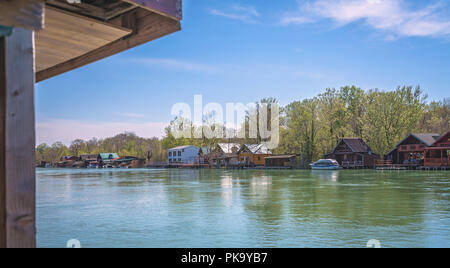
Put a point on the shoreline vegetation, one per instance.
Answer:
(309, 128)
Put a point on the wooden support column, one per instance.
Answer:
(17, 140)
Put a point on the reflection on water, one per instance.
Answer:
(215, 208)
(331, 175)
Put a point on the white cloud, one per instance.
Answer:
(174, 64)
(68, 130)
(396, 17)
(247, 14)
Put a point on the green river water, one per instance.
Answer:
(250, 208)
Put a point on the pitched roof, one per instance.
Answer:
(281, 156)
(227, 148)
(257, 148)
(357, 145)
(442, 138)
(182, 147)
(427, 138)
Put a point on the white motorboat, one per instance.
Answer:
(326, 164)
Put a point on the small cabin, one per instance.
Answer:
(411, 150)
(254, 154)
(438, 154)
(225, 154)
(353, 153)
(281, 161)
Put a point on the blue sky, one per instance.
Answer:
(245, 50)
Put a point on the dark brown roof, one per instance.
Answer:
(442, 138)
(427, 138)
(356, 145)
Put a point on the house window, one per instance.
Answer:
(259, 158)
(179, 153)
(179, 160)
(170, 154)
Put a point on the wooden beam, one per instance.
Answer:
(169, 8)
(67, 36)
(147, 26)
(26, 14)
(17, 140)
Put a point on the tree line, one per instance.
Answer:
(309, 128)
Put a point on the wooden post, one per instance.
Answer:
(17, 140)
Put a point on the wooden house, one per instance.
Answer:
(438, 154)
(254, 154)
(129, 162)
(283, 161)
(225, 154)
(410, 151)
(353, 153)
(204, 155)
(40, 39)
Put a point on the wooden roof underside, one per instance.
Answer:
(78, 34)
(74, 35)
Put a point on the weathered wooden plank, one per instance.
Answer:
(17, 140)
(26, 14)
(148, 26)
(67, 36)
(171, 8)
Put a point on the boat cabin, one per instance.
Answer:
(285, 161)
(353, 153)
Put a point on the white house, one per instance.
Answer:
(184, 154)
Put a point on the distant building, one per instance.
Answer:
(411, 150)
(108, 158)
(281, 161)
(184, 155)
(353, 153)
(204, 155)
(70, 158)
(254, 154)
(67, 161)
(438, 154)
(99, 160)
(225, 154)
